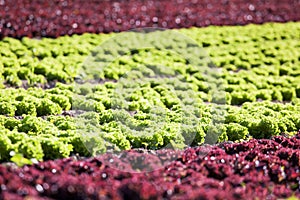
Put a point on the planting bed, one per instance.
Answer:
(54, 18)
(258, 169)
(260, 89)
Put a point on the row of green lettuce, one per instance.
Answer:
(148, 97)
(259, 62)
(59, 136)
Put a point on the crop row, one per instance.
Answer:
(262, 169)
(52, 19)
(146, 97)
(36, 126)
(266, 63)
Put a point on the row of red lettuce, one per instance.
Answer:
(61, 17)
(262, 169)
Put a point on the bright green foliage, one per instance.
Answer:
(264, 127)
(47, 107)
(61, 100)
(238, 98)
(7, 109)
(5, 146)
(20, 160)
(236, 131)
(10, 123)
(30, 148)
(54, 148)
(257, 93)
(25, 108)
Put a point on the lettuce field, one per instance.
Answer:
(200, 101)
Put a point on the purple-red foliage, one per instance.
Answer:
(263, 169)
(61, 17)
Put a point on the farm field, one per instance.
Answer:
(205, 109)
(39, 101)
